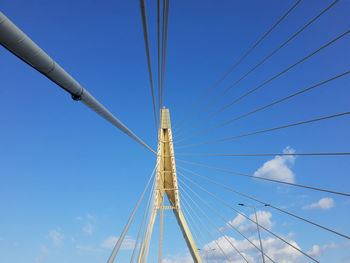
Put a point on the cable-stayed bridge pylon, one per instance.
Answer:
(166, 185)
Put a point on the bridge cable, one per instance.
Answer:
(142, 223)
(265, 107)
(189, 216)
(257, 224)
(147, 219)
(190, 225)
(264, 83)
(206, 228)
(162, 54)
(213, 224)
(262, 178)
(164, 43)
(145, 35)
(126, 228)
(225, 220)
(161, 228)
(266, 58)
(274, 207)
(158, 57)
(266, 154)
(268, 130)
(184, 204)
(19, 44)
(237, 63)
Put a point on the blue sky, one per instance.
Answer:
(69, 179)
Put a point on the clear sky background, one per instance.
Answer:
(69, 180)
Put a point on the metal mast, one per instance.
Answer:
(166, 184)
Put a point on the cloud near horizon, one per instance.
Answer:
(128, 242)
(323, 204)
(56, 237)
(248, 227)
(279, 168)
(279, 251)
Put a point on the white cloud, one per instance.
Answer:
(89, 216)
(56, 237)
(87, 248)
(244, 225)
(128, 242)
(317, 251)
(322, 204)
(43, 255)
(187, 258)
(239, 219)
(273, 247)
(88, 222)
(279, 168)
(88, 229)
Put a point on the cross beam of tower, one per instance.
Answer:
(166, 184)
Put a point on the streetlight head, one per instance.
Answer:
(241, 204)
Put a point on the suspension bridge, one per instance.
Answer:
(179, 181)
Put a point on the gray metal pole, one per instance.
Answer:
(18, 43)
(257, 226)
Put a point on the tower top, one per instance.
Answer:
(165, 119)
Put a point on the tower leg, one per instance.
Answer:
(188, 236)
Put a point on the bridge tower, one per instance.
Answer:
(166, 184)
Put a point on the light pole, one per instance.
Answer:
(257, 226)
(206, 252)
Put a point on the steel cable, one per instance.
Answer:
(267, 154)
(158, 58)
(164, 43)
(141, 226)
(262, 227)
(195, 223)
(151, 206)
(206, 228)
(276, 208)
(261, 178)
(265, 107)
(225, 220)
(214, 225)
(265, 82)
(267, 130)
(19, 44)
(237, 63)
(126, 228)
(189, 223)
(145, 35)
